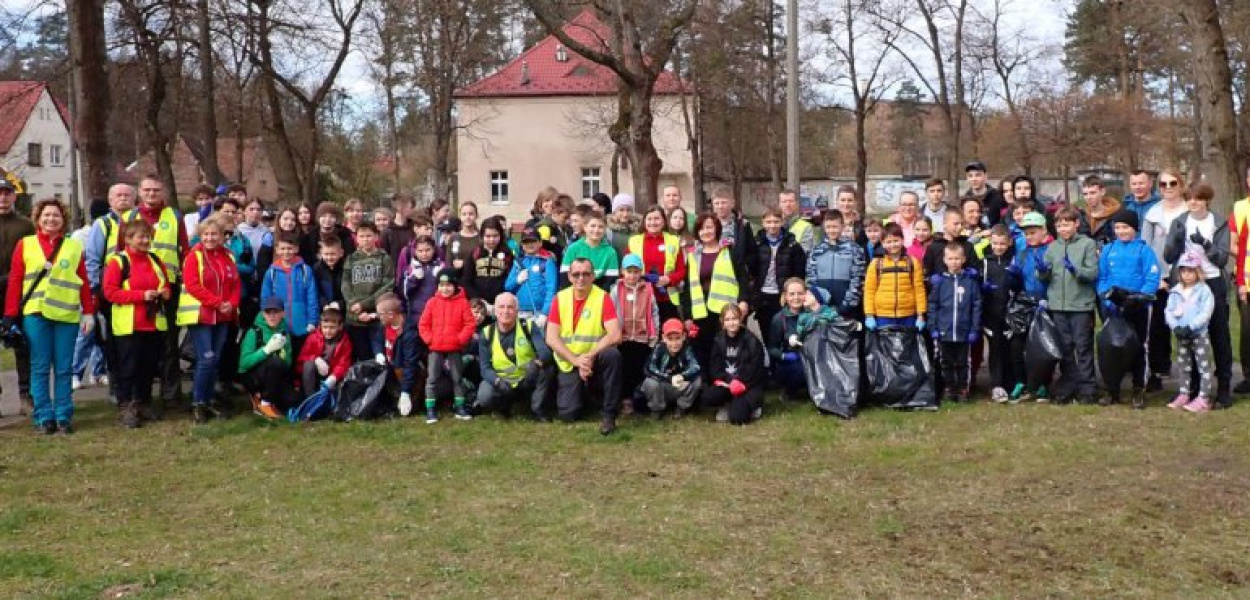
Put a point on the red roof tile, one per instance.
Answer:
(17, 101)
(540, 72)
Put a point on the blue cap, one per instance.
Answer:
(631, 260)
(272, 303)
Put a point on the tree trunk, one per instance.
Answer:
(632, 133)
(208, 93)
(311, 181)
(861, 141)
(1214, 92)
(92, 96)
(282, 155)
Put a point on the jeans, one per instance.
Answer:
(51, 353)
(208, 341)
(88, 351)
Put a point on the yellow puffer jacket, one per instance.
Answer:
(894, 288)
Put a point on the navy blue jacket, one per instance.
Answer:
(955, 305)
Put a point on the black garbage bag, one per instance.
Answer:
(899, 376)
(831, 364)
(362, 395)
(1019, 316)
(1117, 347)
(1041, 348)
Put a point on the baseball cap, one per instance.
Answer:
(1190, 260)
(272, 303)
(7, 185)
(672, 326)
(1033, 219)
(631, 261)
(975, 165)
(529, 233)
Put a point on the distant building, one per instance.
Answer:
(543, 120)
(35, 141)
(188, 165)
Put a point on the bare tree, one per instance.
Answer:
(1007, 53)
(151, 28)
(1214, 90)
(92, 95)
(208, 91)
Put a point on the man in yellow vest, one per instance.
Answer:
(102, 240)
(582, 331)
(793, 221)
(169, 245)
(516, 362)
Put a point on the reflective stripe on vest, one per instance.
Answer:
(110, 225)
(724, 288)
(123, 315)
(164, 239)
(1241, 220)
(672, 248)
(589, 330)
(58, 297)
(798, 228)
(189, 305)
(511, 369)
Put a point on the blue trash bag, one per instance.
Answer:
(319, 405)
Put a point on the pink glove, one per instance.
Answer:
(692, 330)
(737, 388)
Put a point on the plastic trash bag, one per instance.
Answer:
(319, 405)
(362, 394)
(1117, 347)
(1041, 349)
(831, 363)
(899, 376)
(1019, 315)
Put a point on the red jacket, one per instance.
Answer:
(142, 278)
(447, 323)
(17, 273)
(315, 346)
(220, 283)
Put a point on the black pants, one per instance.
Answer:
(1019, 370)
(1001, 372)
(272, 380)
(533, 387)
(769, 306)
(1243, 310)
(667, 311)
(362, 341)
(1076, 344)
(1160, 336)
(606, 379)
(229, 369)
(135, 369)
(955, 366)
(634, 357)
(740, 407)
(708, 326)
(1221, 341)
(171, 370)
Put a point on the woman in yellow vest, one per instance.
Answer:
(136, 283)
(663, 262)
(713, 283)
(48, 291)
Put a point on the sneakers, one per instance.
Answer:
(199, 413)
(1043, 396)
(1018, 393)
(255, 398)
(27, 405)
(1242, 388)
(607, 426)
(431, 416)
(1199, 405)
(999, 395)
(76, 384)
(130, 415)
(1154, 384)
(1139, 399)
(102, 380)
(722, 415)
(757, 414)
(64, 427)
(679, 413)
(627, 407)
(462, 412)
(1179, 402)
(48, 427)
(268, 411)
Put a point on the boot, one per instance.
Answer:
(148, 411)
(1139, 398)
(130, 415)
(608, 426)
(199, 412)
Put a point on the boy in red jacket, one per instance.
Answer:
(446, 327)
(326, 354)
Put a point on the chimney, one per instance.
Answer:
(562, 55)
(525, 72)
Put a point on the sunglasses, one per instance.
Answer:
(1169, 183)
(578, 275)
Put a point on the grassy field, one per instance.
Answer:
(974, 501)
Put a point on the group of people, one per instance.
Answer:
(594, 303)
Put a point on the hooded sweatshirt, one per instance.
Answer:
(296, 285)
(252, 351)
(447, 324)
(365, 278)
(539, 289)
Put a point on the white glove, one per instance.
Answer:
(86, 324)
(540, 321)
(311, 328)
(678, 381)
(330, 381)
(522, 277)
(323, 368)
(418, 272)
(405, 404)
(794, 341)
(275, 343)
(380, 359)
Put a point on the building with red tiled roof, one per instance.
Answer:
(543, 120)
(255, 170)
(35, 140)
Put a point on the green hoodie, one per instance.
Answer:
(252, 352)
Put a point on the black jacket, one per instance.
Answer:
(997, 286)
(406, 354)
(791, 262)
(748, 359)
(933, 255)
(485, 274)
(743, 249)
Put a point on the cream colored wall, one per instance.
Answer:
(44, 127)
(547, 141)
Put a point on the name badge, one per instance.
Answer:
(630, 297)
(535, 268)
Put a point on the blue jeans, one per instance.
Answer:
(51, 352)
(208, 341)
(87, 351)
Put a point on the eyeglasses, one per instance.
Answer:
(1169, 183)
(578, 275)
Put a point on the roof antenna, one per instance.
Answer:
(525, 72)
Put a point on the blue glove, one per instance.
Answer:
(974, 337)
(1067, 264)
(1041, 264)
(651, 278)
(920, 323)
(1110, 308)
(935, 280)
(789, 357)
(1041, 305)
(935, 334)
(870, 323)
(1014, 269)
(989, 286)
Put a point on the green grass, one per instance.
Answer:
(977, 500)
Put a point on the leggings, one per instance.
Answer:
(1195, 358)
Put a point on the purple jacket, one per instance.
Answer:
(413, 290)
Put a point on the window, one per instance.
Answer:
(54, 155)
(498, 187)
(34, 155)
(590, 181)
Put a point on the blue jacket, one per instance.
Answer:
(835, 274)
(243, 256)
(1131, 203)
(1026, 264)
(1129, 265)
(955, 305)
(539, 289)
(1194, 312)
(662, 366)
(297, 287)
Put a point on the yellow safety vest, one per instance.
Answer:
(799, 227)
(589, 330)
(110, 224)
(1241, 220)
(189, 305)
(123, 315)
(724, 290)
(165, 240)
(672, 249)
(58, 297)
(511, 368)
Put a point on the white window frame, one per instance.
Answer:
(54, 156)
(592, 181)
(499, 187)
